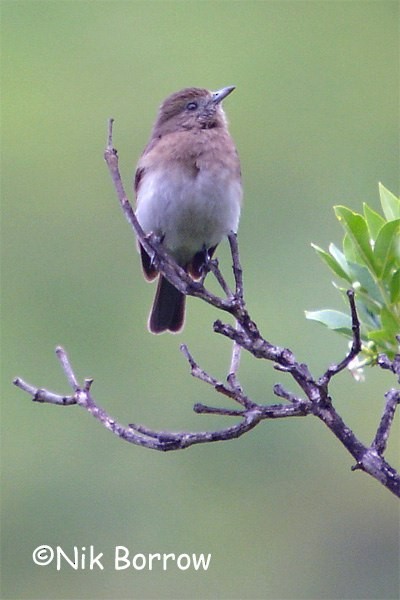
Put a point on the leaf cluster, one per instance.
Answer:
(369, 263)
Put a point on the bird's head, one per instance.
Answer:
(191, 108)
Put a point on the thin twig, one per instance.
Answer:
(235, 358)
(200, 408)
(232, 377)
(146, 437)
(42, 395)
(355, 346)
(382, 434)
(67, 368)
(391, 365)
(237, 268)
(235, 393)
(213, 266)
(281, 392)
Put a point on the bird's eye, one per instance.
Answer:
(191, 105)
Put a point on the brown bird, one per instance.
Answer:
(188, 190)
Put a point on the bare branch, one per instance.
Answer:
(355, 346)
(42, 395)
(230, 392)
(159, 440)
(315, 398)
(237, 269)
(67, 368)
(215, 270)
(391, 365)
(234, 366)
(281, 392)
(382, 434)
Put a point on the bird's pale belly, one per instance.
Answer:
(188, 211)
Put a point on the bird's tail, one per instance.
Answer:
(168, 311)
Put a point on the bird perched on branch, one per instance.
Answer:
(188, 191)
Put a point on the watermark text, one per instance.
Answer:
(86, 558)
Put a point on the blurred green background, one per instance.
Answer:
(315, 120)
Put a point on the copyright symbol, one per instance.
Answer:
(43, 555)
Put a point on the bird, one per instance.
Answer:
(188, 192)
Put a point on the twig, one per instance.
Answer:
(213, 266)
(382, 434)
(391, 365)
(232, 377)
(67, 368)
(200, 408)
(42, 395)
(355, 346)
(146, 437)
(235, 393)
(237, 268)
(281, 392)
(234, 366)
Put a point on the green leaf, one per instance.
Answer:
(340, 259)
(390, 204)
(351, 252)
(333, 319)
(331, 262)
(365, 288)
(369, 316)
(389, 324)
(379, 336)
(374, 221)
(357, 230)
(363, 278)
(387, 246)
(395, 287)
(367, 309)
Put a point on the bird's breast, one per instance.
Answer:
(193, 199)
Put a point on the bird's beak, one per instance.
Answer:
(219, 95)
